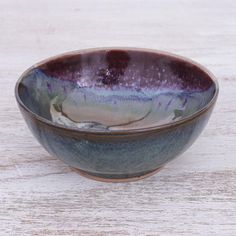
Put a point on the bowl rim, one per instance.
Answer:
(129, 131)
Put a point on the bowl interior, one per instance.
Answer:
(115, 89)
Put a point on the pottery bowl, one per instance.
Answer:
(116, 114)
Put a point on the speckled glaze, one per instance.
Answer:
(116, 113)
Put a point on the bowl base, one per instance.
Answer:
(116, 178)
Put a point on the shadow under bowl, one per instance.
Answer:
(116, 113)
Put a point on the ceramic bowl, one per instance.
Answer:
(116, 114)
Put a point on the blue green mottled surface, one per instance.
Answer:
(116, 114)
(116, 156)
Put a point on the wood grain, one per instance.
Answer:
(193, 195)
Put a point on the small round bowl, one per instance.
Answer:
(116, 114)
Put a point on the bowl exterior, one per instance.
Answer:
(117, 156)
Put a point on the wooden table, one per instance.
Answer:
(193, 195)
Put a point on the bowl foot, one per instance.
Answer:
(116, 178)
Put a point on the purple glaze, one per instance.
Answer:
(119, 68)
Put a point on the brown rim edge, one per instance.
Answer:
(120, 132)
(107, 180)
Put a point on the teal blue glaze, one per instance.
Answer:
(49, 97)
(116, 113)
(118, 157)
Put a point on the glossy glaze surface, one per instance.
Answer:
(116, 90)
(95, 94)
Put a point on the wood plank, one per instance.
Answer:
(193, 195)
